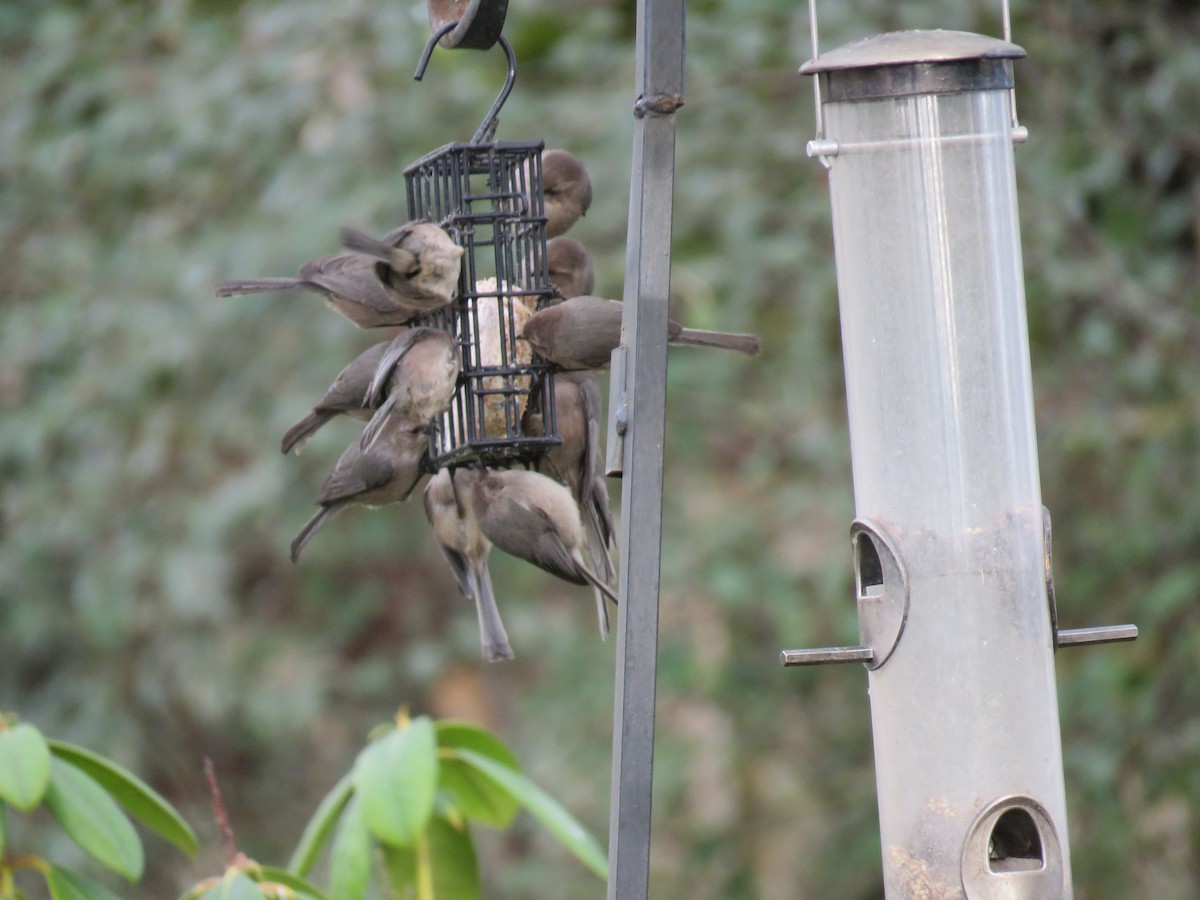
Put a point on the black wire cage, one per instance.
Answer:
(489, 199)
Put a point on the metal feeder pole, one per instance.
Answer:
(637, 403)
(950, 544)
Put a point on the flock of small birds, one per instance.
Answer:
(556, 515)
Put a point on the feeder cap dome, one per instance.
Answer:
(898, 48)
(906, 63)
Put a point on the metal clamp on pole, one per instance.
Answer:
(476, 23)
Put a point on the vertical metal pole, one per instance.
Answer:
(660, 42)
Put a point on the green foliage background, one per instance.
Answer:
(147, 606)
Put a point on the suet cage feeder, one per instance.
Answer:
(488, 196)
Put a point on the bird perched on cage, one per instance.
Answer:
(578, 462)
(350, 285)
(569, 267)
(536, 519)
(381, 471)
(344, 397)
(450, 508)
(582, 332)
(567, 191)
(418, 267)
(415, 378)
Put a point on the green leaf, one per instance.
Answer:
(67, 885)
(395, 778)
(452, 856)
(3, 832)
(455, 869)
(452, 733)
(474, 795)
(301, 886)
(141, 800)
(544, 808)
(93, 820)
(24, 766)
(236, 885)
(400, 863)
(350, 858)
(319, 827)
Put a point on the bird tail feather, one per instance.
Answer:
(244, 286)
(602, 590)
(493, 639)
(741, 343)
(597, 544)
(294, 437)
(323, 515)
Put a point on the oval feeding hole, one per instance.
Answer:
(868, 570)
(1015, 844)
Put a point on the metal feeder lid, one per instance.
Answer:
(914, 62)
(899, 48)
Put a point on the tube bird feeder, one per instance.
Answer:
(950, 545)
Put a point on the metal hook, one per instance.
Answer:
(487, 128)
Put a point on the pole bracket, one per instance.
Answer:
(657, 105)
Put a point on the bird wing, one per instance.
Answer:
(348, 389)
(550, 553)
(369, 471)
(350, 276)
(462, 571)
(376, 423)
(391, 357)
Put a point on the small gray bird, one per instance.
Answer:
(450, 508)
(415, 378)
(419, 268)
(535, 518)
(581, 333)
(567, 190)
(345, 397)
(349, 284)
(569, 267)
(578, 462)
(383, 471)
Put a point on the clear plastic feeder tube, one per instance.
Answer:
(964, 710)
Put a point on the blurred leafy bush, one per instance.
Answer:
(146, 604)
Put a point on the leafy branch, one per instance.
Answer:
(89, 796)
